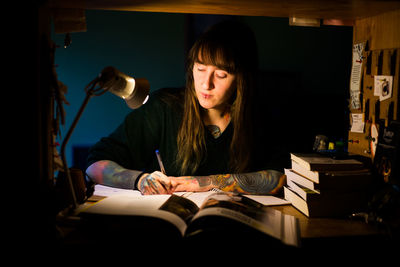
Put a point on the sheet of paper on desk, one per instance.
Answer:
(196, 197)
(106, 191)
(269, 200)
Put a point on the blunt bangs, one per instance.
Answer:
(216, 55)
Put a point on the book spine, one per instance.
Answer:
(312, 175)
(299, 179)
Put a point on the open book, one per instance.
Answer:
(190, 212)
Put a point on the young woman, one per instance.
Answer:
(204, 132)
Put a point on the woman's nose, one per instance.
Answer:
(208, 81)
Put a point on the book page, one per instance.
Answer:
(266, 200)
(252, 213)
(197, 197)
(131, 204)
(180, 206)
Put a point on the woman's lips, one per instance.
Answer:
(206, 96)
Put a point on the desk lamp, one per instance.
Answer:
(135, 92)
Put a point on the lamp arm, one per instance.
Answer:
(89, 93)
(119, 84)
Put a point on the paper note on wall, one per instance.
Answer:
(356, 75)
(383, 87)
(357, 122)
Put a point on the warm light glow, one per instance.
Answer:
(145, 100)
(130, 87)
(308, 22)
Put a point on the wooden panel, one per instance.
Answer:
(377, 62)
(381, 31)
(69, 20)
(327, 9)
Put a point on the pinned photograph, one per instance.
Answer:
(383, 87)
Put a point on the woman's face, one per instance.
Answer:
(213, 86)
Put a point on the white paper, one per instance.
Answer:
(106, 191)
(357, 122)
(196, 197)
(269, 200)
(383, 87)
(356, 75)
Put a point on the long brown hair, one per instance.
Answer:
(229, 45)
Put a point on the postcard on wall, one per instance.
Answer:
(356, 75)
(383, 86)
(357, 122)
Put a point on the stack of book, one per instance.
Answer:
(320, 186)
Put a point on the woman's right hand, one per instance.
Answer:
(156, 183)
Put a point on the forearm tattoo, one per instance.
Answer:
(116, 176)
(262, 182)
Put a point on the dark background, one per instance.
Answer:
(304, 72)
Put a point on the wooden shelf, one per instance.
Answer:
(328, 9)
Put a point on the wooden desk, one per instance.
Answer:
(329, 227)
(339, 234)
(336, 233)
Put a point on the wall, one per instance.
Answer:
(305, 71)
(138, 44)
(382, 32)
(304, 80)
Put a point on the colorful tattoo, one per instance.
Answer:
(262, 182)
(112, 174)
(155, 183)
(203, 181)
(148, 185)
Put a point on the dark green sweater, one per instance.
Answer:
(155, 126)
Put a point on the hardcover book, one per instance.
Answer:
(320, 186)
(317, 162)
(327, 205)
(217, 210)
(330, 180)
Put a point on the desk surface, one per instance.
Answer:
(329, 227)
(336, 233)
(322, 227)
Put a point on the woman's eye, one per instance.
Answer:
(221, 75)
(199, 67)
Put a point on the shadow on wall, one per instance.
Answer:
(288, 114)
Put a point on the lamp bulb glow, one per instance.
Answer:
(135, 92)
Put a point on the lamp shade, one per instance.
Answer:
(134, 91)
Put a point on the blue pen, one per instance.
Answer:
(160, 162)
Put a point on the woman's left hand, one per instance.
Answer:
(156, 183)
